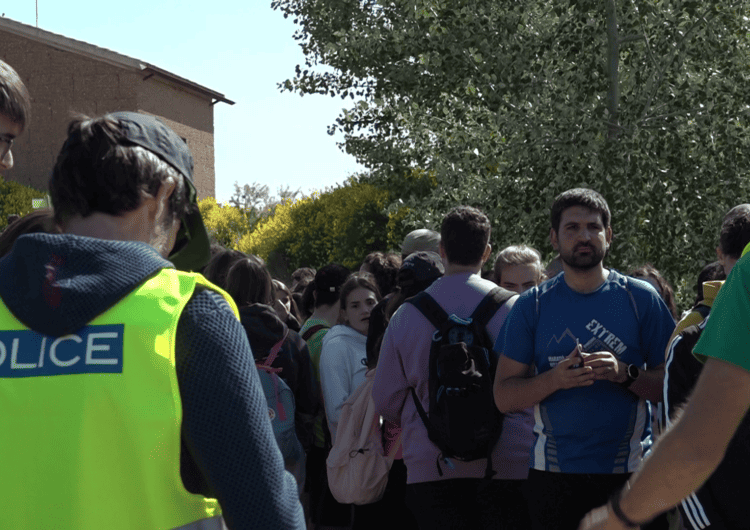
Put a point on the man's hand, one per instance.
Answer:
(606, 366)
(565, 376)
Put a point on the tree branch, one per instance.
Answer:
(613, 64)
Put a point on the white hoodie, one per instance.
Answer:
(342, 369)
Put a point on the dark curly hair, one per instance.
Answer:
(94, 148)
(384, 267)
(735, 231)
(579, 197)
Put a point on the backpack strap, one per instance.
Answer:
(266, 363)
(312, 330)
(437, 316)
(427, 305)
(490, 305)
(637, 313)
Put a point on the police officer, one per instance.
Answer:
(128, 393)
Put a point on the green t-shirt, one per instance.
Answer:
(727, 333)
(315, 344)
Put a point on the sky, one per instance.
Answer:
(239, 48)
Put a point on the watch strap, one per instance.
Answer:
(614, 504)
(629, 381)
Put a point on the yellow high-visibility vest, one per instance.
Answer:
(90, 422)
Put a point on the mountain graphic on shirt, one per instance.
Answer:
(566, 333)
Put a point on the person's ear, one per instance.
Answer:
(609, 234)
(161, 201)
(487, 253)
(441, 250)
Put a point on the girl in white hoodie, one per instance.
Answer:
(344, 354)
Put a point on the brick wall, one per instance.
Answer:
(62, 83)
(189, 116)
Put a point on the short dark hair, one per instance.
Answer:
(15, 102)
(735, 231)
(384, 267)
(579, 197)
(464, 234)
(94, 172)
(327, 284)
(711, 272)
(356, 281)
(249, 282)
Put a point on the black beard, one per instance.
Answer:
(584, 262)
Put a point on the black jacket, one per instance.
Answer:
(722, 501)
(264, 329)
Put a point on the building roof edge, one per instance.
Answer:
(103, 54)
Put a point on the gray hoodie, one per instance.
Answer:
(342, 369)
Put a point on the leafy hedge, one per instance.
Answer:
(16, 198)
(225, 224)
(341, 225)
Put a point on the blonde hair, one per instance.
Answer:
(517, 255)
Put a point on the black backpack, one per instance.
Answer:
(463, 421)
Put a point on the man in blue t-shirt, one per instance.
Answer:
(586, 350)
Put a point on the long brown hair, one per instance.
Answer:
(249, 282)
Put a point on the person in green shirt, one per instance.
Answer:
(694, 446)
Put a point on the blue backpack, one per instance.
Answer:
(281, 410)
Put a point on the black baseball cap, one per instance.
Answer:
(421, 267)
(192, 249)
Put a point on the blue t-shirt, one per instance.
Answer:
(602, 428)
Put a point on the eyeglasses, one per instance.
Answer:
(5, 145)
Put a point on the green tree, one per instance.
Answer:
(256, 202)
(224, 223)
(507, 104)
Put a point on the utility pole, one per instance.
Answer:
(37, 13)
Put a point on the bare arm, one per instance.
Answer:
(689, 451)
(516, 389)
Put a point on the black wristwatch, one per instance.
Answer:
(632, 372)
(614, 503)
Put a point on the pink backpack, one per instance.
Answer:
(357, 468)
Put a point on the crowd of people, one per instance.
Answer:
(153, 380)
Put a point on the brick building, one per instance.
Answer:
(66, 76)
